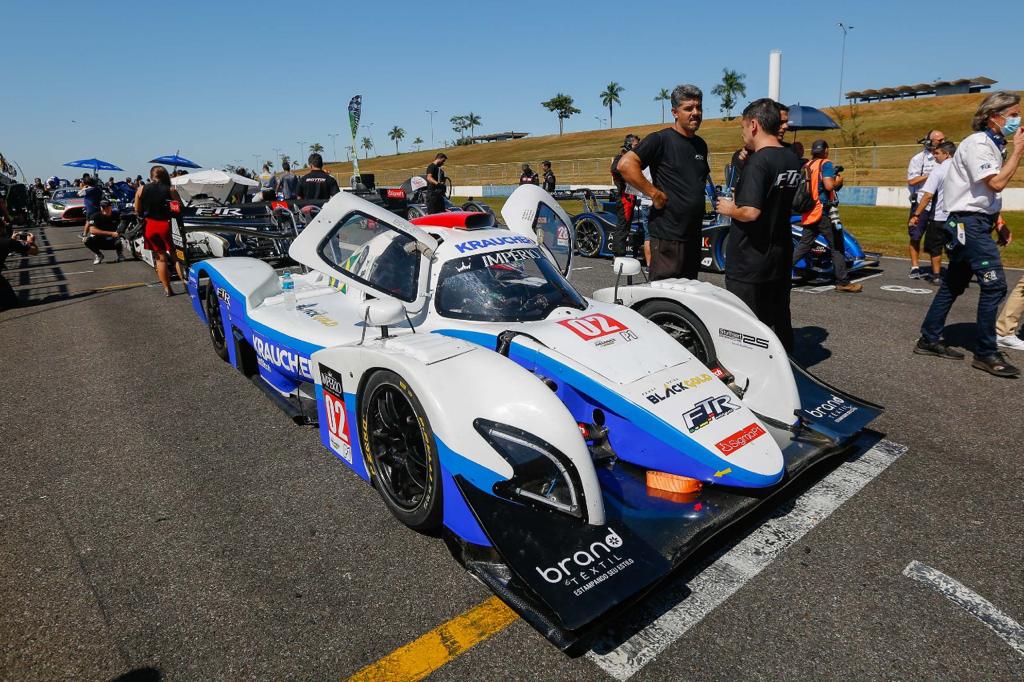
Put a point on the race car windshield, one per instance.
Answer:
(503, 286)
(64, 194)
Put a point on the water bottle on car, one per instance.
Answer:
(288, 290)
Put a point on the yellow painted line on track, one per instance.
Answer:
(419, 658)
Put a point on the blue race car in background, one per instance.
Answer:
(594, 227)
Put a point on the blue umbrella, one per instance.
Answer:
(95, 164)
(176, 161)
(809, 118)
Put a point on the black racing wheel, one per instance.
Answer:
(215, 322)
(589, 237)
(415, 211)
(399, 451)
(684, 327)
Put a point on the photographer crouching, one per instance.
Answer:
(22, 243)
(100, 233)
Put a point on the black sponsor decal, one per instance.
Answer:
(219, 212)
(743, 339)
(331, 381)
(708, 410)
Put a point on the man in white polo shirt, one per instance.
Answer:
(918, 170)
(976, 176)
(931, 213)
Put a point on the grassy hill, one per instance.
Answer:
(583, 157)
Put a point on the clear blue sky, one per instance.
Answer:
(222, 81)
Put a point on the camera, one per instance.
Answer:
(22, 236)
(839, 169)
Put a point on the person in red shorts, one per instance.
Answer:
(153, 204)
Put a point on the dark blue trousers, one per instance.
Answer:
(978, 257)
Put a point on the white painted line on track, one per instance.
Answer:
(585, 267)
(733, 567)
(80, 272)
(1007, 628)
(829, 287)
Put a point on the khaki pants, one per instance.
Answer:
(1009, 317)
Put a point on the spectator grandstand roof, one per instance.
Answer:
(953, 87)
(499, 137)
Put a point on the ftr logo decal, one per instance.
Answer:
(337, 418)
(708, 410)
(596, 326)
(731, 444)
(219, 212)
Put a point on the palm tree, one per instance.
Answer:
(316, 148)
(561, 105)
(472, 121)
(396, 134)
(732, 85)
(663, 96)
(285, 159)
(418, 142)
(610, 97)
(367, 146)
(459, 124)
(269, 164)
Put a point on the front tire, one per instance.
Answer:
(684, 327)
(399, 451)
(589, 238)
(215, 322)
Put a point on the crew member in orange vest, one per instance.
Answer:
(824, 183)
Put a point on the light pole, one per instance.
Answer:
(256, 168)
(431, 112)
(842, 59)
(600, 121)
(302, 146)
(334, 143)
(277, 153)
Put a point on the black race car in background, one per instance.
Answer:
(416, 189)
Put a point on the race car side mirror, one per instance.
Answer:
(382, 313)
(630, 267)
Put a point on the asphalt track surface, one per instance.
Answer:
(162, 520)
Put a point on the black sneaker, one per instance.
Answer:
(996, 365)
(936, 348)
(915, 273)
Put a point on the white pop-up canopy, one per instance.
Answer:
(214, 183)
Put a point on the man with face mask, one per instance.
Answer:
(976, 176)
(918, 170)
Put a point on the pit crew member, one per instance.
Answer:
(436, 184)
(100, 233)
(930, 215)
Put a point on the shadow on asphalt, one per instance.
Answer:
(962, 335)
(808, 349)
(145, 674)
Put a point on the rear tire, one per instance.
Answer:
(684, 327)
(215, 322)
(399, 451)
(589, 238)
(415, 212)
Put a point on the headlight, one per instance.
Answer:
(541, 475)
(58, 207)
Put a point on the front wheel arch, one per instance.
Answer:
(683, 325)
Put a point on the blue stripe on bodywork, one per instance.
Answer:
(640, 425)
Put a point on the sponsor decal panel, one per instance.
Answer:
(707, 411)
(745, 340)
(835, 409)
(224, 295)
(601, 329)
(674, 387)
(587, 568)
(337, 419)
(474, 244)
(747, 434)
(310, 310)
(274, 357)
(506, 257)
(219, 212)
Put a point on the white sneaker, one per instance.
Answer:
(1014, 342)
(98, 259)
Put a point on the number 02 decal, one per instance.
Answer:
(594, 326)
(337, 426)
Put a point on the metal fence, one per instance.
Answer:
(873, 166)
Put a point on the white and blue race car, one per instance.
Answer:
(572, 451)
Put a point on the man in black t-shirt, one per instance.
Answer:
(760, 244)
(436, 185)
(100, 233)
(316, 185)
(678, 160)
(549, 177)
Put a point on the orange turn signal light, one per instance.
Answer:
(671, 483)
